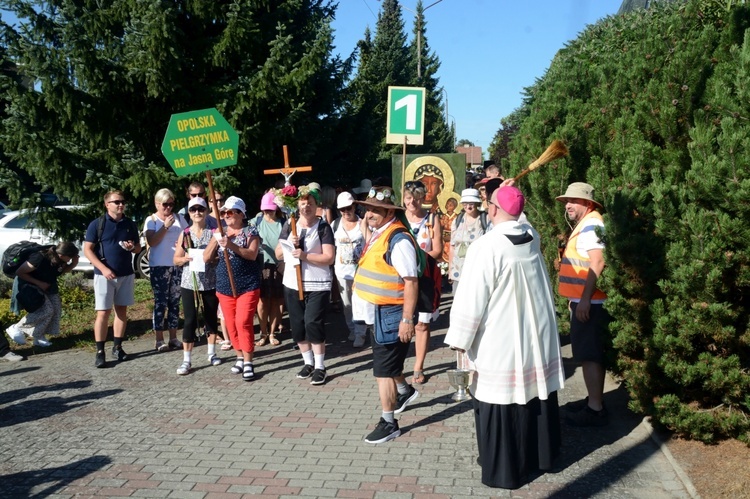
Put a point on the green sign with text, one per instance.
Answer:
(197, 141)
(405, 118)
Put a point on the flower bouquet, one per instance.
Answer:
(286, 199)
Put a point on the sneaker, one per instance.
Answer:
(161, 346)
(41, 342)
(119, 354)
(16, 334)
(588, 417)
(11, 357)
(305, 372)
(383, 432)
(318, 377)
(403, 400)
(247, 372)
(577, 405)
(184, 368)
(359, 341)
(101, 361)
(214, 360)
(175, 344)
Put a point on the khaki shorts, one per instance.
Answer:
(118, 292)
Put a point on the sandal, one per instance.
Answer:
(274, 341)
(263, 341)
(418, 378)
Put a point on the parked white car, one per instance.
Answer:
(17, 226)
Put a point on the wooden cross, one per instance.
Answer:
(287, 171)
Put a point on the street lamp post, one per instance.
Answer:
(419, 36)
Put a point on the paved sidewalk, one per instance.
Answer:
(138, 429)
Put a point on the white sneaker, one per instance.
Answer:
(11, 357)
(41, 342)
(359, 341)
(16, 334)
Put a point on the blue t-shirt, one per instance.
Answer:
(110, 252)
(246, 273)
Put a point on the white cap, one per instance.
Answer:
(234, 203)
(344, 200)
(197, 200)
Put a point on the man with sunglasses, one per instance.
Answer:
(110, 242)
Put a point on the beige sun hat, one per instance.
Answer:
(579, 190)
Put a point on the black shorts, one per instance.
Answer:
(388, 360)
(271, 282)
(587, 338)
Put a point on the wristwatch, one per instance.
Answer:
(407, 321)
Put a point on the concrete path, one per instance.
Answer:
(137, 429)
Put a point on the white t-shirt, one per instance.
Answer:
(162, 254)
(349, 245)
(314, 277)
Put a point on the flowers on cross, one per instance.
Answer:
(286, 198)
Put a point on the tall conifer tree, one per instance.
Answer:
(108, 75)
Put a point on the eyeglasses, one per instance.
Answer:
(199, 209)
(118, 202)
(168, 205)
(230, 212)
(197, 194)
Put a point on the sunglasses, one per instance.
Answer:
(347, 208)
(199, 209)
(168, 205)
(197, 194)
(118, 202)
(231, 212)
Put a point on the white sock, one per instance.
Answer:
(187, 356)
(388, 416)
(308, 357)
(319, 361)
(211, 349)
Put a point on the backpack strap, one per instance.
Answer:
(99, 231)
(483, 220)
(335, 225)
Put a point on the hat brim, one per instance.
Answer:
(564, 199)
(379, 204)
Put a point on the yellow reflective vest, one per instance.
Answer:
(574, 267)
(376, 281)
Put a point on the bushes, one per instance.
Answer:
(655, 109)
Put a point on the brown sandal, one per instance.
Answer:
(274, 341)
(263, 341)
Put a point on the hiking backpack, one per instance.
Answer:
(17, 254)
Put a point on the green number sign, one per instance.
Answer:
(197, 141)
(405, 115)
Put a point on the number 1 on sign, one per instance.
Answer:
(410, 102)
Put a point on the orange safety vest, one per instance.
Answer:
(574, 267)
(376, 281)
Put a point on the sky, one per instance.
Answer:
(489, 50)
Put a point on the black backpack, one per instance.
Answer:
(17, 254)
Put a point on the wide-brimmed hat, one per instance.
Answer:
(470, 196)
(234, 203)
(579, 190)
(364, 186)
(381, 197)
